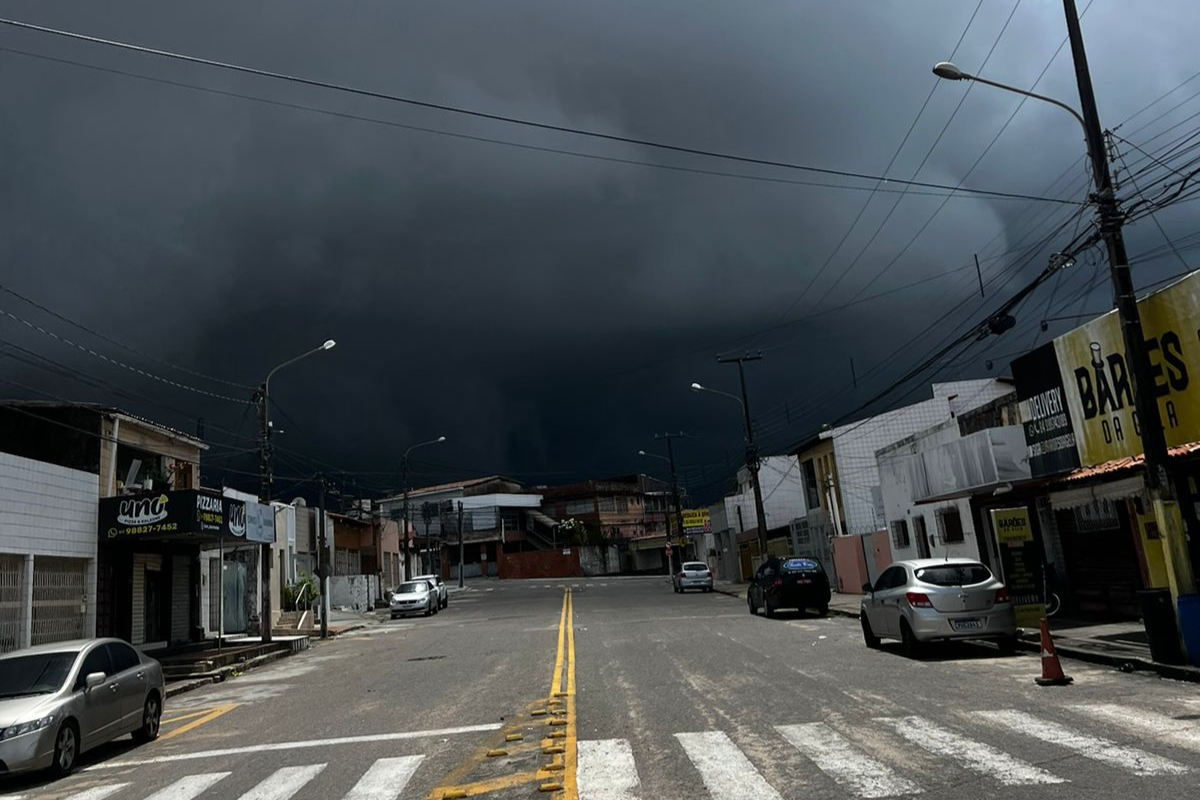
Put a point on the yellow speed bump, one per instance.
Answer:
(555, 767)
(538, 712)
(557, 721)
(557, 734)
(550, 787)
(554, 749)
(454, 794)
(513, 737)
(497, 753)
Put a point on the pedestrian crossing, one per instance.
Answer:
(871, 758)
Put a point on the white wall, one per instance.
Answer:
(899, 481)
(48, 510)
(855, 444)
(782, 490)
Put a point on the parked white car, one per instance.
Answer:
(413, 597)
(437, 582)
(934, 599)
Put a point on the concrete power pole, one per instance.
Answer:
(460, 545)
(323, 560)
(1159, 484)
(752, 462)
(674, 492)
(264, 469)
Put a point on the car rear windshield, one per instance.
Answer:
(412, 588)
(34, 674)
(954, 574)
(800, 565)
(696, 566)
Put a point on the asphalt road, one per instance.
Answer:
(625, 690)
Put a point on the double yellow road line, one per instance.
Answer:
(562, 691)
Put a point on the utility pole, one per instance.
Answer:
(460, 545)
(427, 516)
(323, 560)
(752, 462)
(674, 493)
(405, 569)
(1159, 484)
(264, 471)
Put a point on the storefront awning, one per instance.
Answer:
(188, 515)
(1120, 489)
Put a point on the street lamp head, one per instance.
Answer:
(697, 387)
(641, 452)
(329, 344)
(441, 438)
(948, 70)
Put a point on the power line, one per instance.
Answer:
(112, 341)
(500, 117)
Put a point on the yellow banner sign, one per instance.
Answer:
(1012, 525)
(1099, 386)
(697, 520)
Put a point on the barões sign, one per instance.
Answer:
(1021, 561)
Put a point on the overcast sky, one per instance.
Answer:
(544, 311)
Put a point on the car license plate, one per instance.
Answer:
(804, 580)
(966, 624)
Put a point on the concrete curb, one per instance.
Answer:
(1032, 644)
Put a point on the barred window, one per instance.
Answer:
(900, 534)
(950, 526)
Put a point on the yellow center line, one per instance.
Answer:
(570, 790)
(490, 785)
(209, 717)
(556, 676)
(182, 717)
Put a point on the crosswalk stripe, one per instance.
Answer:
(283, 783)
(605, 770)
(1173, 731)
(725, 770)
(973, 755)
(386, 779)
(97, 792)
(188, 786)
(1139, 762)
(844, 762)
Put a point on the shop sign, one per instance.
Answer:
(1090, 387)
(258, 523)
(1020, 557)
(697, 521)
(170, 515)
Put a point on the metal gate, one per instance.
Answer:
(12, 600)
(59, 599)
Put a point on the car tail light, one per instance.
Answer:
(918, 600)
(1002, 595)
(779, 581)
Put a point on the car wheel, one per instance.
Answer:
(869, 637)
(909, 641)
(768, 611)
(66, 749)
(823, 610)
(151, 719)
(428, 610)
(753, 608)
(1007, 645)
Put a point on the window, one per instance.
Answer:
(950, 526)
(955, 575)
(890, 579)
(95, 661)
(579, 507)
(123, 657)
(918, 529)
(812, 491)
(900, 534)
(37, 674)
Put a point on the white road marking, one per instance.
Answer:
(283, 783)
(977, 756)
(263, 748)
(605, 770)
(725, 770)
(1139, 762)
(97, 793)
(188, 786)
(1182, 733)
(844, 762)
(386, 779)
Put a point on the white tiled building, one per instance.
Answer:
(48, 544)
(855, 444)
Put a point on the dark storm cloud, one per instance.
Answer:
(545, 312)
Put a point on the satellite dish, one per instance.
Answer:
(299, 502)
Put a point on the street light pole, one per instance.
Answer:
(264, 469)
(1159, 483)
(407, 571)
(752, 460)
(670, 459)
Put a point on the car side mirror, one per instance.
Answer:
(868, 588)
(94, 679)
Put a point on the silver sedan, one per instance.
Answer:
(693, 575)
(935, 599)
(59, 700)
(414, 597)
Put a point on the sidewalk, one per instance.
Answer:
(1119, 644)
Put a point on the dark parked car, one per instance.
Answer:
(789, 582)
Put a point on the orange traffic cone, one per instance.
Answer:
(1052, 671)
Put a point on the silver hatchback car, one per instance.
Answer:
(58, 700)
(936, 599)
